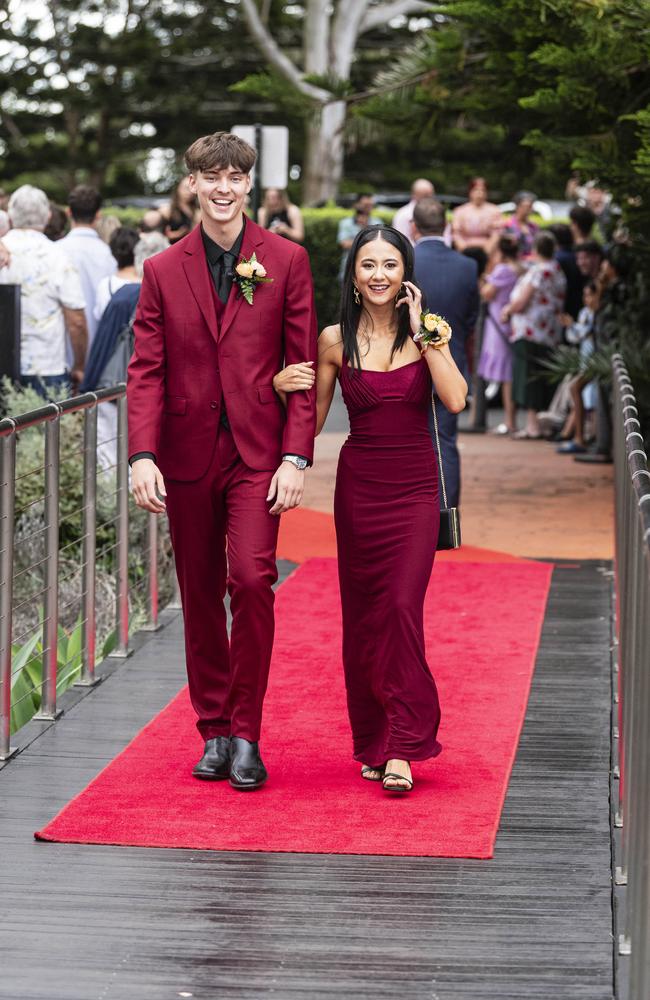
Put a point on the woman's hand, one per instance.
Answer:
(293, 378)
(506, 313)
(413, 298)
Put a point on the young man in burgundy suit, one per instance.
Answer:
(211, 443)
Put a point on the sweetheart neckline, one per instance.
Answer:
(380, 371)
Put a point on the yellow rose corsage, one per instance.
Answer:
(434, 331)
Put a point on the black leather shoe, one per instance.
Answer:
(215, 762)
(246, 768)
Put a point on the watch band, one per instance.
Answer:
(299, 461)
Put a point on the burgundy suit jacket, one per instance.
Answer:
(186, 361)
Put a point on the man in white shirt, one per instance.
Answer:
(51, 298)
(86, 249)
(403, 218)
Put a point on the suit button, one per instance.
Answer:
(214, 405)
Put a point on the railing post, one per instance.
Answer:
(7, 497)
(152, 624)
(89, 544)
(48, 709)
(121, 649)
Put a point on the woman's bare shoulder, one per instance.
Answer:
(330, 343)
(330, 336)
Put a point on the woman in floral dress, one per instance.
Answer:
(534, 311)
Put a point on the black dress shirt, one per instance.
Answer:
(221, 263)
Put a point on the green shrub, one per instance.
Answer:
(129, 216)
(29, 555)
(27, 670)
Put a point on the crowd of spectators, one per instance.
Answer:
(80, 270)
(79, 275)
(542, 287)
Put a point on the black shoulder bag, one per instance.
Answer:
(449, 533)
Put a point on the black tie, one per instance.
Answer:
(225, 275)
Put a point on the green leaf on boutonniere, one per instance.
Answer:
(249, 274)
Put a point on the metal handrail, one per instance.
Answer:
(632, 497)
(51, 415)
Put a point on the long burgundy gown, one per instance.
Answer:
(387, 518)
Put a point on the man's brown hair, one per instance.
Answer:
(84, 203)
(218, 151)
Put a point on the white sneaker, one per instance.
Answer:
(492, 389)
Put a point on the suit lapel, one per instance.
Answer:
(253, 242)
(196, 270)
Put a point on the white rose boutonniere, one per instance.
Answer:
(249, 274)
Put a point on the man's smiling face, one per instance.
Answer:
(221, 193)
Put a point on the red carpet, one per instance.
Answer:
(482, 625)
(306, 533)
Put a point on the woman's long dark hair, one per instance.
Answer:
(351, 312)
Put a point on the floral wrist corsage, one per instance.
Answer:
(249, 274)
(434, 331)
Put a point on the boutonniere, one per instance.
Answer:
(434, 330)
(249, 274)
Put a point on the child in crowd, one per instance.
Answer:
(583, 392)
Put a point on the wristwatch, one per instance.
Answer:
(297, 460)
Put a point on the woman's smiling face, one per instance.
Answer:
(378, 272)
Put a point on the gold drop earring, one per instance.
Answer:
(357, 296)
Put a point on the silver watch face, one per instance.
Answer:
(300, 463)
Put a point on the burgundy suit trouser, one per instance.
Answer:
(227, 506)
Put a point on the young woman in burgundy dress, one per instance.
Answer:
(386, 505)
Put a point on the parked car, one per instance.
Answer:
(392, 200)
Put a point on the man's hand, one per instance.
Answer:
(287, 487)
(75, 321)
(146, 478)
(76, 378)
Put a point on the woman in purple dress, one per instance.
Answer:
(495, 362)
(386, 505)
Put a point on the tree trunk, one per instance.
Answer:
(324, 153)
(72, 119)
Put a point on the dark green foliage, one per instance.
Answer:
(325, 255)
(524, 91)
(90, 102)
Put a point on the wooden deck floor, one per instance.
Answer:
(98, 923)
